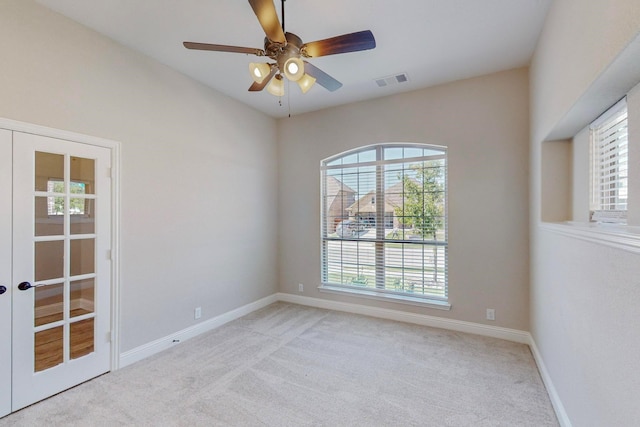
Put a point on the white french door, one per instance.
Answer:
(60, 285)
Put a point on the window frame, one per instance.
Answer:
(378, 291)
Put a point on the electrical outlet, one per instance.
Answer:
(197, 313)
(300, 287)
(491, 314)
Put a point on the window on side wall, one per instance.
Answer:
(609, 165)
(384, 222)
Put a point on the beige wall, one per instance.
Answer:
(580, 40)
(580, 175)
(556, 181)
(195, 165)
(584, 295)
(484, 122)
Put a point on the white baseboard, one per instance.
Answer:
(558, 407)
(418, 319)
(149, 349)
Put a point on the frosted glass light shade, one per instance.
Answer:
(305, 82)
(294, 69)
(276, 86)
(259, 71)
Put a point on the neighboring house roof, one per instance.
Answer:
(334, 185)
(334, 188)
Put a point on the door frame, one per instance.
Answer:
(6, 264)
(114, 147)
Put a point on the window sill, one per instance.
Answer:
(618, 236)
(381, 296)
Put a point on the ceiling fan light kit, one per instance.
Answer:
(305, 82)
(276, 87)
(259, 71)
(287, 50)
(294, 69)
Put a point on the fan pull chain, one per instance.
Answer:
(289, 97)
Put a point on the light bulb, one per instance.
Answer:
(294, 69)
(276, 86)
(259, 71)
(306, 82)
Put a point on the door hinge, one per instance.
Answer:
(109, 254)
(108, 172)
(108, 336)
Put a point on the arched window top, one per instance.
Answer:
(386, 152)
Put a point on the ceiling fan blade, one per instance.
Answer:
(223, 48)
(353, 42)
(265, 10)
(257, 87)
(322, 78)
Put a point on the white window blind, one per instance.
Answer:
(384, 220)
(610, 165)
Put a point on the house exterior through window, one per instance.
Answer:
(384, 221)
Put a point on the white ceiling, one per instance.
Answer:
(433, 41)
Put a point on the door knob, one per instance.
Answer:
(24, 286)
(3, 289)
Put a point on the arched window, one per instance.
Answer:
(384, 222)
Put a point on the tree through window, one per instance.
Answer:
(384, 220)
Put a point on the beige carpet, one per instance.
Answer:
(288, 365)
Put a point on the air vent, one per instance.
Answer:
(392, 80)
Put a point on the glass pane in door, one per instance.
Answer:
(81, 338)
(82, 216)
(49, 169)
(82, 176)
(82, 297)
(48, 348)
(47, 221)
(49, 260)
(49, 304)
(82, 256)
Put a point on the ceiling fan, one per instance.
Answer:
(287, 50)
